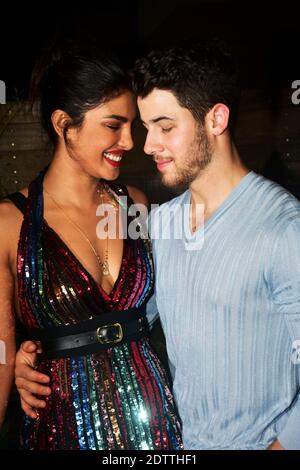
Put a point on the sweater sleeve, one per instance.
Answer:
(151, 311)
(285, 286)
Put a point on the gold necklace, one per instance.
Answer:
(103, 264)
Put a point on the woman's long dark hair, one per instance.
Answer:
(75, 81)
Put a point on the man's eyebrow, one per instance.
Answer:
(160, 118)
(117, 116)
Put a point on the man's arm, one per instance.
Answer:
(285, 286)
(29, 381)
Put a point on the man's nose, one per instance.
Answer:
(152, 145)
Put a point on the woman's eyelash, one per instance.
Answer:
(110, 126)
(166, 129)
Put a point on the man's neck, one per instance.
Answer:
(217, 181)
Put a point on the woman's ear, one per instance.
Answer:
(60, 120)
(217, 119)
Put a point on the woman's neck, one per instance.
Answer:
(70, 184)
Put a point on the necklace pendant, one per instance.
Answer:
(105, 268)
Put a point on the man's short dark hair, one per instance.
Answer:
(200, 75)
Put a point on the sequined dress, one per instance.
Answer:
(113, 399)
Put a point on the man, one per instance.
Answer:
(228, 290)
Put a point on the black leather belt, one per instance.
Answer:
(90, 336)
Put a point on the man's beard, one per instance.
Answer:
(198, 157)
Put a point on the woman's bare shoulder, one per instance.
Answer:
(10, 217)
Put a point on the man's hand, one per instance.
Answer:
(276, 446)
(28, 380)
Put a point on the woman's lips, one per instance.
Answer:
(114, 158)
(113, 163)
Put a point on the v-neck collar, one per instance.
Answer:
(196, 238)
(88, 275)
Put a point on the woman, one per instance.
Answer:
(82, 295)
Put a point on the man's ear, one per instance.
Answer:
(60, 119)
(217, 119)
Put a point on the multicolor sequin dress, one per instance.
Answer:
(113, 399)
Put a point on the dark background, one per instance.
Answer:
(265, 34)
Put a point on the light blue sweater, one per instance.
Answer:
(229, 302)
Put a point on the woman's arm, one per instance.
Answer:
(7, 320)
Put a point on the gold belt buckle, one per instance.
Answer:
(110, 333)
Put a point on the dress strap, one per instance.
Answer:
(19, 200)
(122, 189)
